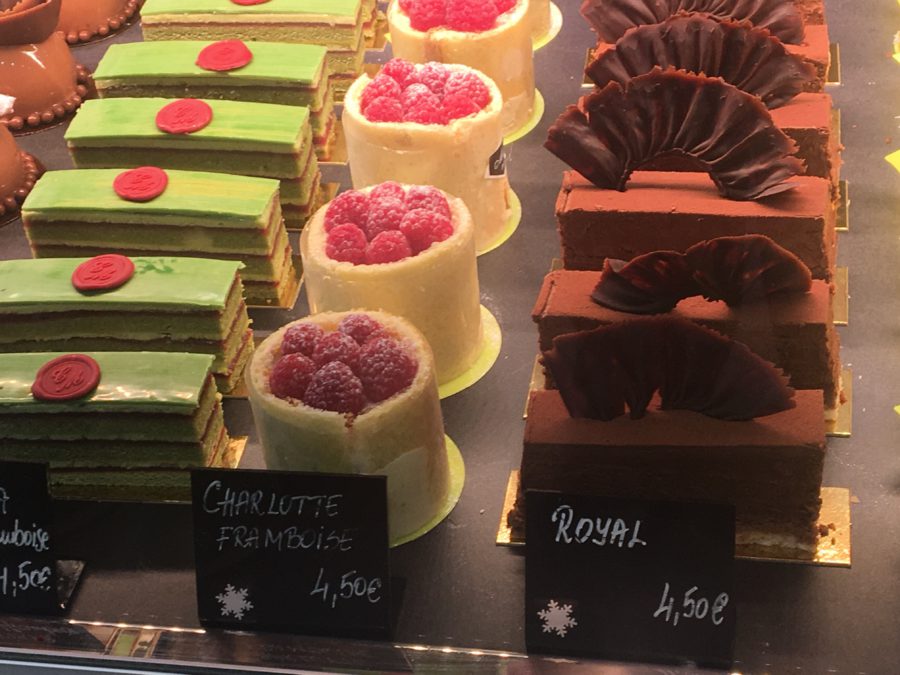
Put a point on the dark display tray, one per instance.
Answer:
(462, 602)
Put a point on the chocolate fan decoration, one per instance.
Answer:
(611, 18)
(729, 133)
(733, 269)
(602, 371)
(747, 57)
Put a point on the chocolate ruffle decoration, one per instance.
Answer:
(615, 130)
(733, 269)
(747, 57)
(602, 372)
(611, 18)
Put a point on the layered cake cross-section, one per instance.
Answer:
(110, 303)
(708, 421)
(237, 137)
(112, 425)
(80, 213)
(263, 72)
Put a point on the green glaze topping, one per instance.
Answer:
(129, 382)
(235, 125)
(87, 194)
(335, 8)
(274, 63)
(44, 285)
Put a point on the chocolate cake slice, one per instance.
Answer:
(708, 421)
(782, 316)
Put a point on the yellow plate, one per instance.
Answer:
(457, 479)
(512, 222)
(491, 341)
(536, 114)
(556, 21)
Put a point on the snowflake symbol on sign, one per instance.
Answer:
(234, 602)
(557, 618)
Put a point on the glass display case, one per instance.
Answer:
(458, 594)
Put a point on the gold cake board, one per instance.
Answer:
(834, 518)
(842, 216)
(556, 22)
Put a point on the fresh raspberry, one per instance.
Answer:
(381, 85)
(426, 14)
(413, 93)
(406, 4)
(468, 84)
(335, 387)
(471, 16)
(336, 347)
(387, 247)
(346, 243)
(351, 206)
(301, 338)
(426, 110)
(427, 197)
(290, 376)
(403, 72)
(457, 106)
(359, 326)
(385, 368)
(390, 189)
(384, 109)
(434, 75)
(384, 215)
(503, 6)
(423, 228)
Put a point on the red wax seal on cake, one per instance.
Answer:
(142, 184)
(248, 2)
(103, 272)
(184, 116)
(224, 55)
(66, 377)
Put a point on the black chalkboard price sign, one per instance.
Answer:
(299, 552)
(28, 581)
(629, 579)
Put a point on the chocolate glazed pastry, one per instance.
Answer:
(603, 371)
(36, 67)
(611, 18)
(749, 58)
(733, 269)
(86, 20)
(18, 173)
(729, 134)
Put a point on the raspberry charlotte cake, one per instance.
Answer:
(355, 393)
(491, 35)
(36, 66)
(85, 20)
(708, 421)
(432, 124)
(407, 250)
